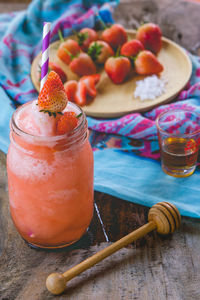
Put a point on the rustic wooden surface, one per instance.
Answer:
(154, 268)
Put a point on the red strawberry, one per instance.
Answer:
(80, 96)
(118, 68)
(150, 36)
(99, 51)
(52, 97)
(132, 48)
(85, 37)
(146, 63)
(67, 50)
(56, 68)
(90, 85)
(83, 65)
(66, 123)
(70, 89)
(96, 77)
(115, 36)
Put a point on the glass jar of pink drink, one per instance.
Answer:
(50, 178)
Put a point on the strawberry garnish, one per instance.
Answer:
(52, 98)
(67, 122)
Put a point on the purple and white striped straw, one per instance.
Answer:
(45, 53)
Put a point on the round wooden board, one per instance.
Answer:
(117, 100)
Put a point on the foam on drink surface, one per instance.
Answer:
(32, 121)
(27, 163)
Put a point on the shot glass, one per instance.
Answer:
(179, 139)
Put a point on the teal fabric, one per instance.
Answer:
(141, 180)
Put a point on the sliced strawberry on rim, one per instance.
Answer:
(67, 122)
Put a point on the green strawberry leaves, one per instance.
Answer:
(94, 51)
(79, 115)
(50, 113)
(82, 37)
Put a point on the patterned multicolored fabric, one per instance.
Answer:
(126, 164)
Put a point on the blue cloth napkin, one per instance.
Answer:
(119, 170)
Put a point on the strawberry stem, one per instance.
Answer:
(60, 36)
(68, 52)
(118, 51)
(132, 59)
(94, 51)
(82, 37)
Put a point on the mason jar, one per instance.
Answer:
(50, 181)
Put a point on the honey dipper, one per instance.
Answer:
(163, 216)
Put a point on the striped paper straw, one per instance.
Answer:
(45, 53)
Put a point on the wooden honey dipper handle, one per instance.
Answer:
(162, 216)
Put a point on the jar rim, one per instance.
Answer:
(175, 111)
(72, 135)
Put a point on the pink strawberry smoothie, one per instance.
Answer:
(50, 178)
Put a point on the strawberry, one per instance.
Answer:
(85, 37)
(99, 51)
(90, 85)
(52, 98)
(150, 36)
(96, 77)
(146, 63)
(131, 48)
(70, 89)
(80, 96)
(83, 65)
(67, 50)
(118, 68)
(56, 68)
(66, 123)
(115, 36)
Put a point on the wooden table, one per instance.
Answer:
(154, 268)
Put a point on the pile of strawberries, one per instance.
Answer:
(112, 50)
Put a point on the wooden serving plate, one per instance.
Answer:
(117, 100)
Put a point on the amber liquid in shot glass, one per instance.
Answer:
(179, 154)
